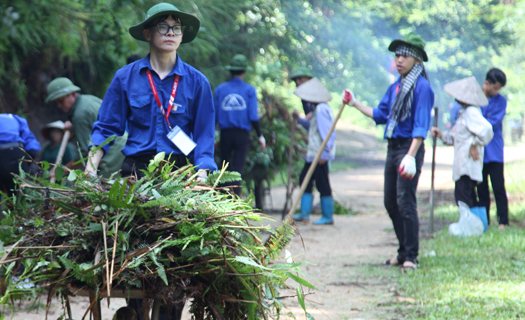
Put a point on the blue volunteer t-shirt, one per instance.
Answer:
(235, 105)
(15, 129)
(418, 123)
(129, 102)
(494, 113)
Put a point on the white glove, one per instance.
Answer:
(407, 168)
(262, 142)
(202, 177)
(348, 97)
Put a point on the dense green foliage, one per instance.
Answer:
(343, 42)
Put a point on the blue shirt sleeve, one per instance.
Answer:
(28, 138)
(454, 113)
(423, 104)
(203, 128)
(495, 112)
(304, 122)
(216, 104)
(253, 105)
(324, 122)
(381, 113)
(112, 115)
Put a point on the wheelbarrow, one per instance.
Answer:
(115, 293)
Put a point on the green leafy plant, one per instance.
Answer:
(165, 234)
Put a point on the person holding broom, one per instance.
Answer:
(405, 109)
(166, 105)
(469, 135)
(314, 92)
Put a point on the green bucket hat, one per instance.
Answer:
(412, 39)
(190, 22)
(301, 72)
(60, 87)
(239, 63)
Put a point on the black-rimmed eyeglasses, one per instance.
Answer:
(163, 29)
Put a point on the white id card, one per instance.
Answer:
(181, 140)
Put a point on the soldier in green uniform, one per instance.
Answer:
(82, 111)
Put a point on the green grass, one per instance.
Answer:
(471, 278)
(475, 278)
(468, 278)
(515, 177)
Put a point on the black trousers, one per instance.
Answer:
(132, 166)
(234, 145)
(400, 198)
(9, 163)
(497, 180)
(321, 178)
(465, 191)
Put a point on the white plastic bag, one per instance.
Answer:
(468, 224)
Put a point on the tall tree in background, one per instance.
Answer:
(342, 41)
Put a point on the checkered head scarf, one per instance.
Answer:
(402, 107)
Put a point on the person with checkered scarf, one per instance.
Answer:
(405, 109)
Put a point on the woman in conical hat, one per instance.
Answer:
(318, 126)
(405, 109)
(470, 133)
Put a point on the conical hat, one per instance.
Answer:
(467, 91)
(313, 91)
(53, 125)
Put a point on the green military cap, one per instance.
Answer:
(190, 22)
(301, 72)
(413, 40)
(239, 63)
(60, 87)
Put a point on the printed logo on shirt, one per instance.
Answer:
(233, 102)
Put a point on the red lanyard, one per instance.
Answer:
(172, 97)
(397, 89)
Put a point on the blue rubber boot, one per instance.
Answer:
(327, 206)
(306, 208)
(481, 212)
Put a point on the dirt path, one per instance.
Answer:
(339, 252)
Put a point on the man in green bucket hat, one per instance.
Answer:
(165, 105)
(236, 113)
(159, 97)
(82, 111)
(405, 109)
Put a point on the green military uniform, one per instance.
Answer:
(82, 115)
